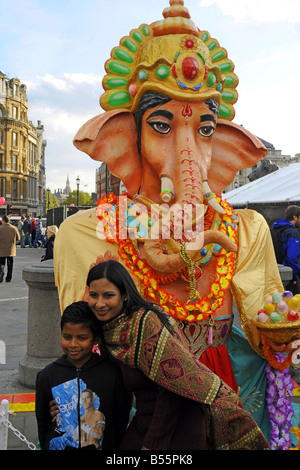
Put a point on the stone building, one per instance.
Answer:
(274, 158)
(107, 183)
(22, 152)
(62, 194)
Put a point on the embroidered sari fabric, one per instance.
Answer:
(141, 341)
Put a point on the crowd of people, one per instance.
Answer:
(29, 231)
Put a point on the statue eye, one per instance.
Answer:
(206, 131)
(160, 126)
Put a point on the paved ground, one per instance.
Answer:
(13, 335)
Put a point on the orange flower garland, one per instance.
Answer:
(271, 358)
(192, 310)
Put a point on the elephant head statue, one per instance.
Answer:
(167, 130)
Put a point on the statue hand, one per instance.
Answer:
(289, 348)
(106, 257)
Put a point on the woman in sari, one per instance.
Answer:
(180, 403)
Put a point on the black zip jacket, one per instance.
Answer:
(94, 405)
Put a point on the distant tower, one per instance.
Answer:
(68, 187)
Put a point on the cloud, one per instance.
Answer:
(258, 11)
(57, 83)
(59, 121)
(66, 83)
(64, 103)
(274, 58)
(79, 78)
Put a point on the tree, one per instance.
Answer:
(84, 199)
(51, 200)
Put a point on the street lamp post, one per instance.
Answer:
(48, 199)
(78, 183)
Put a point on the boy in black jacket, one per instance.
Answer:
(89, 391)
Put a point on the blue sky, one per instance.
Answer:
(58, 49)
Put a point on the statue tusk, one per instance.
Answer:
(210, 199)
(167, 189)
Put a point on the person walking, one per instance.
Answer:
(21, 229)
(33, 229)
(38, 233)
(8, 238)
(27, 232)
(290, 240)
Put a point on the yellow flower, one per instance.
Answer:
(153, 283)
(205, 306)
(215, 288)
(224, 283)
(190, 318)
(222, 269)
(221, 261)
(140, 264)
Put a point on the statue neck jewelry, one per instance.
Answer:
(196, 308)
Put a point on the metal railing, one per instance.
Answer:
(5, 425)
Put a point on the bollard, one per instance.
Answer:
(4, 408)
(43, 324)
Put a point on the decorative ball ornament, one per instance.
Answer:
(173, 57)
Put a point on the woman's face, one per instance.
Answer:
(105, 299)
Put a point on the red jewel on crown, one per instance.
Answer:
(189, 43)
(190, 68)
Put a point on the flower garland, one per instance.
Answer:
(270, 355)
(192, 310)
(279, 406)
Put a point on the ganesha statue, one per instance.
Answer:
(167, 132)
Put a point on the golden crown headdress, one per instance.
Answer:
(171, 56)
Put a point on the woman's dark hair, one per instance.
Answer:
(80, 312)
(115, 273)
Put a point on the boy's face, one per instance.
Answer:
(77, 343)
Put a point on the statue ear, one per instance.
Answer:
(112, 138)
(233, 149)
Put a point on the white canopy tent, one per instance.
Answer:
(280, 186)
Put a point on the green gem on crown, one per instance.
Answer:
(143, 75)
(162, 72)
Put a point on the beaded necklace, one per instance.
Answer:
(196, 308)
